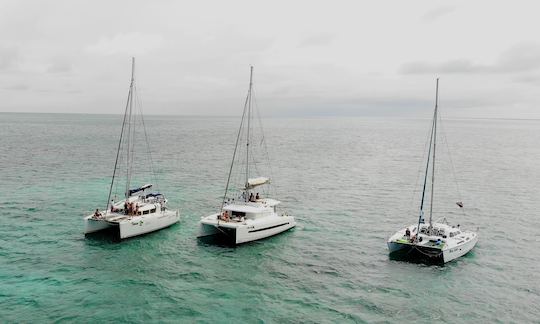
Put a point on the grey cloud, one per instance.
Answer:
(8, 57)
(520, 58)
(317, 40)
(437, 13)
(529, 78)
(453, 66)
(18, 87)
(59, 67)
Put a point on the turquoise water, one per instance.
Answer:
(350, 183)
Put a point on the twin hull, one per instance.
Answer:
(430, 254)
(131, 226)
(248, 231)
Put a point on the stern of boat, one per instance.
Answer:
(208, 226)
(92, 225)
(461, 249)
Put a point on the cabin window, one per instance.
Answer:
(153, 210)
(145, 212)
(238, 214)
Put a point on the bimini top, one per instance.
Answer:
(254, 182)
(141, 188)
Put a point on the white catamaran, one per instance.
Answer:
(139, 211)
(245, 215)
(434, 242)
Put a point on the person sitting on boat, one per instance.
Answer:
(136, 208)
(97, 214)
(224, 216)
(257, 197)
(251, 198)
(125, 207)
(407, 232)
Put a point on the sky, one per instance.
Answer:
(310, 58)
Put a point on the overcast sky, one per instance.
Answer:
(311, 57)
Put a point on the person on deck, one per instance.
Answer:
(97, 213)
(251, 198)
(257, 197)
(407, 232)
(125, 207)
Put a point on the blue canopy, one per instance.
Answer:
(141, 188)
(153, 194)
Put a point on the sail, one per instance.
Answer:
(255, 182)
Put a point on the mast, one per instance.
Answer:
(121, 136)
(248, 128)
(434, 150)
(130, 100)
(425, 178)
(237, 141)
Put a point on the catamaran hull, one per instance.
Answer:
(239, 233)
(411, 252)
(415, 253)
(246, 234)
(92, 225)
(460, 250)
(134, 225)
(147, 223)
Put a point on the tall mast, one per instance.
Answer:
(130, 99)
(248, 128)
(246, 103)
(120, 140)
(425, 177)
(434, 149)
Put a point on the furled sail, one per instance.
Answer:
(255, 182)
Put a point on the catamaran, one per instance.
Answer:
(140, 211)
(245, 215)
(433, 242)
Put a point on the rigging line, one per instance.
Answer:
(445, 140)
(434, 151)
(152, 170)
(248, 127)
(234, 153)
(425, 175)
(265, 147)
(128, 160)
(418, 171)
(118, 150)
(133, 140)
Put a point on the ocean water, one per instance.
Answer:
(350, 182)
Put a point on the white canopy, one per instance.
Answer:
(254, 182)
